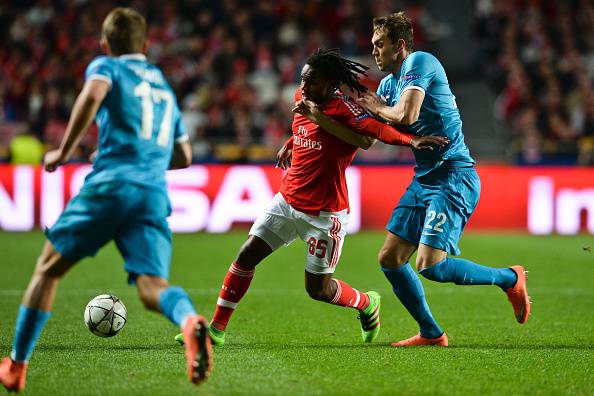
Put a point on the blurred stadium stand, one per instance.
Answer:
(522, 71)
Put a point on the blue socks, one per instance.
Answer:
(30, 322)
(176, 305)
(464, 272)
(409, 290)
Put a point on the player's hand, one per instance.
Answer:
(429, 143)
(371, 102)
(53, 159)
(309, 109)
(283, 158)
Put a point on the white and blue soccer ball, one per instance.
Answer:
(105, 315)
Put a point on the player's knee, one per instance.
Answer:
(388, 258)
(49, 267)
(422, 262)
(318, 293)
(427, 261)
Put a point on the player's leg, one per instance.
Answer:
(325, 288)
(145, 243)
(80, 231)
(324, 236)
(449, 209)
(273, 229)
(435, 264)
(235, 285)
(401, 241)
(34, 312)
(237, 282)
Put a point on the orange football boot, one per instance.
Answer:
(419, 340)
(518, 295)
(198, 349)
(13, 375)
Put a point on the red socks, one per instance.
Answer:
(346, 296)
(234, 287)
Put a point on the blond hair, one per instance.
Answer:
(125, 31)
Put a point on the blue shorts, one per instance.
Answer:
(135, 217)
(436, 207)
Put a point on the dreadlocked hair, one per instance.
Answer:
(334, 67)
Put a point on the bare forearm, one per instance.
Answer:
(393, 115)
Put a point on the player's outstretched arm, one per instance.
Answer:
(85, 107)
(310, 110)
(181, 156)
(390, 135)
(405, 112)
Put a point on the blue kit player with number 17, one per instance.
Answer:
(123, 199)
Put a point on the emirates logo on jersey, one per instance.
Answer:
(300, 139)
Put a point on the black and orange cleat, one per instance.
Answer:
(199, 355)
(518, 295)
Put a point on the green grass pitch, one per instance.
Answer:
(282, 343)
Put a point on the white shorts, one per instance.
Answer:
(324, 235)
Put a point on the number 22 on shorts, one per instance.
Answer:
(441, 219)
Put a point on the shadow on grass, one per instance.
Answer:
(524, 347)
(277, 346)
(73, 347)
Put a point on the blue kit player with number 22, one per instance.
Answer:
(438, 203)
(123, 199)
(436, 206)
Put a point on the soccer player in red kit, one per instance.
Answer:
(313, 201)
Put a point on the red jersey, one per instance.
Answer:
(316, 179)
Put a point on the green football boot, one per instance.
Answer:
(179, 338)
(216, 336)
(370, 317)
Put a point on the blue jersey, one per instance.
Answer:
(139, 121)
(439, 115)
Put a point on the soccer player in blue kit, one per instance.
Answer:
(436, 206)
(123, 199)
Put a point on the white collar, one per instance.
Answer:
(137, 56)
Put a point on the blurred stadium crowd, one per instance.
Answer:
(235, 64)
(538, 56)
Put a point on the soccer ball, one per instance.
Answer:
(105, 315)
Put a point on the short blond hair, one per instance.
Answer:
(396, 26)
(125, 30)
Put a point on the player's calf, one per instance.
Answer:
(320, 293)
(150, 289)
